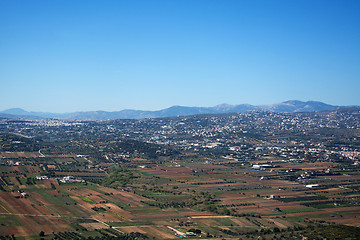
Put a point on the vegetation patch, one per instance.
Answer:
(86, 199)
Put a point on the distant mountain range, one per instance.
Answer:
(284, 107)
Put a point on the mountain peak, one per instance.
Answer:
(15, 111)
(294, 102)
(290, 106)
(224, 106)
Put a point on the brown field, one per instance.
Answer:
(12, 204)
(279, 223)
(22, 154)
(106, 217)
(32, 169)
(158, 232)
(55, 209)
(19, 154)
(14, 180)
(122, 214)
(210, 216)
(20, 231)
(350, 219)
(242, 222)
(33, 224)
(123, 196)
(93, 226)
(207, 221)
(35, 209)
(130, 229)
(157, 215)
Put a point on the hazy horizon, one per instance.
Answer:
(104, 109)
(69, 56)
(153, 110)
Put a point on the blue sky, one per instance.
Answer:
(64, 55)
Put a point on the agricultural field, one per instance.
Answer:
(215, 198)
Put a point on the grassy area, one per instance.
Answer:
(299, 199)
(3, 206)
(299, 210)
(10, 220)
(226, 222)
(86, 199)
(56, 200)
(47, 196)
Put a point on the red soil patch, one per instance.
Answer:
(18, 231)
(208, 222)
(21, 154)
(13, 205)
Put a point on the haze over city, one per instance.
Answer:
(65, 56)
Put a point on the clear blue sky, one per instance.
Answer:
(65, 55)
